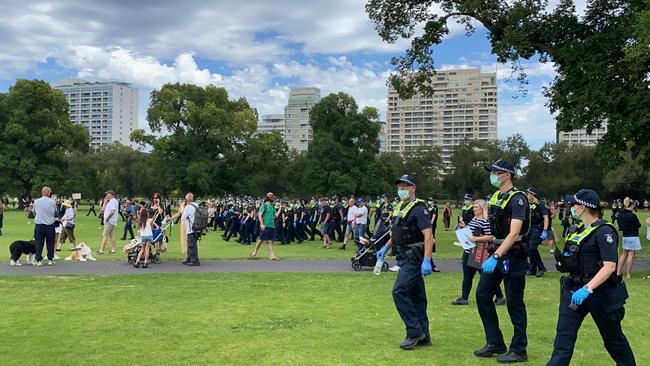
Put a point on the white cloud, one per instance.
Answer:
(529, 117)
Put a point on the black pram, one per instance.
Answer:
(366, 255)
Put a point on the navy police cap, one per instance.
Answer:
(406, 179)
(586, 197)
(501, 166)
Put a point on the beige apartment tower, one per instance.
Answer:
(464, 105)
(297, 131)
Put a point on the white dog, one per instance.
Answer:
(81, 253)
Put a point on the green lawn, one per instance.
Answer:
(268, 319)
(212, 246)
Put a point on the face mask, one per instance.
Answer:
(430, 202)
(494, 180)
(574, 214)
(403, 194)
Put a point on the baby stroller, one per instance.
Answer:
(366, 256)
(159, 241)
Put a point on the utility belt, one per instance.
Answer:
(518, 250)
(575, 280)
(412, 252)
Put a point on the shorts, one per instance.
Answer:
(348, 228)
(148, 238)
(108, 229)
(631, 243)
(268, 234)
(325, 228)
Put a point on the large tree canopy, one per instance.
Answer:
(602, 58)
(35, 136)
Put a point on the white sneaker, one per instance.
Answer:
(50, 263)
(15, 263)
(394, 268)
(56, 257)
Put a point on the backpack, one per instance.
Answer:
(200, 223)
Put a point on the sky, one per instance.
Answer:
(255, 49)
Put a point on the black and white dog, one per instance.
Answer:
(20, 247)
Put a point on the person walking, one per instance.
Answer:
(45, 210)
(129, 214)
(360, 219)
(413, 241)
(2, 215)
(539, 229)
(350, 222)
(589, 258)
(111, 207)
(266, 216)
(509, 213)
(446, 216)
(67, 224)
(145, 230)
(187, 215)
(92, 208)
(629, 224)
(481, 233)
(466, 212)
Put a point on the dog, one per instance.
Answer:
(82, 253)
(20, 247)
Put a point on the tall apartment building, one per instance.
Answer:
(464, 105)
(298, 133)
(272, 122)
(108, 110)
(581, 137)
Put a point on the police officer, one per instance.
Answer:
(539, 224)
(590, 256)
(412, 238)
(467, 212)
(509, 215)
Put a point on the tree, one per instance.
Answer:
(425, 163)
(198, 137)
(345, 143)
(36, 135)
(595, 84)
(627, 179)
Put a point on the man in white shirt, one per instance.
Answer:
(45, 210)
(110, 220)
(361, 220)
(187, 218)
(350, 222)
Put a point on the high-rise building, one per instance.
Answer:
(108, 110)
(298, 133)
(581, 137)
(272, 122)
(464, 105)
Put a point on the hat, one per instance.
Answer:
(406, 179)
(361, 199)
(467, 197)
(111, 192)
(67, 203)
(532, 190)
(585, 197)
(501, 166)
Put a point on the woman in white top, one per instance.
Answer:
(145, 231)
(68, 223)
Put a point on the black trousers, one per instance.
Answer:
(468, 279)
(44, 236)
(314, 231)
(192, 248)
(92, 209)
(515, 284)
(607, 320)
(336, 231)
(410, 298)
(533, 251)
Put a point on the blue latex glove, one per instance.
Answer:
(579, 296)
(490, 265)
(382, 252)
(544, 235)
(426, 267)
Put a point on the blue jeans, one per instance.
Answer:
(359, 230)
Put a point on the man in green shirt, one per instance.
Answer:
(266, 216)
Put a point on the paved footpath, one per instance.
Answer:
(110, 267)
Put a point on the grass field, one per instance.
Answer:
(212, 246)
(268, 319)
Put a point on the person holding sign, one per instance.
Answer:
(481, 236)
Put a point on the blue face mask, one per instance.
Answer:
(494, 180)
(403, 194)
(574, 214)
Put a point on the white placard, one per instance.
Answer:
(76, 196)
(463, 236)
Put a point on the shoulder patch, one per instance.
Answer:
(609, 238)
(520, 202)
(424, 211)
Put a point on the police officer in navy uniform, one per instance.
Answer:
(412, 239)
(467, 212)
(509, 214)
(589, 256)
(539, 224)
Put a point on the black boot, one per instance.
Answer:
(489, 350)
